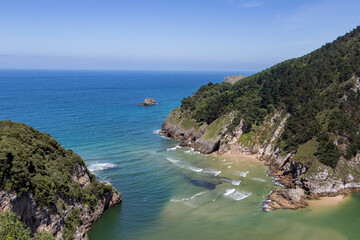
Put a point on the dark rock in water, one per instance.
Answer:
(200, 183)
(148, 102)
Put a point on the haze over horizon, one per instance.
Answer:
(223, 35)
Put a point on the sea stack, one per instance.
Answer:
(148, 102)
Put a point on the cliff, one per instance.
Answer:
(302, 116)
(48, 187)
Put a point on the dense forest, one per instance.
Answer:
(320, 91)
(36, 162)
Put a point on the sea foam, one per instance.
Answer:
(213, 172)
(236, 194)
(100, 166)
(157, 131)
(241, 174)
(258, 179)
(185, 166)
(173, 148)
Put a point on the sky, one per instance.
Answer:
(190, 35)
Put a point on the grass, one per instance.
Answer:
(216, 127)
(305, 152)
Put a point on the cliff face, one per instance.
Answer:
(302, 180)
(49, 188)
(39, 218)
(302, 116)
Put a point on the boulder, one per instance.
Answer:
(148, 102)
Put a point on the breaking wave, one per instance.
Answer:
(185, 166)
(236, 194)
(213, 172)
(241, 174)
(157, 131)
(173, 148)
(100, 166)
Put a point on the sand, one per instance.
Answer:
(327, 201)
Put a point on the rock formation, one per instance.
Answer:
(148, 102)
(233, 79)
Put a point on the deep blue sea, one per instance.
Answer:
(96, 114)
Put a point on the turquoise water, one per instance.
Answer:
(168, 192)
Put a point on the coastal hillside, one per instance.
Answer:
(48, 187)
(302, 116)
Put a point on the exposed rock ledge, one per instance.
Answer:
(300, 184)
(47, 219)
(233, 79)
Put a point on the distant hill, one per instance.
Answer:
(301, 115)
(47, 186)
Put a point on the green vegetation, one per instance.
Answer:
(36, 162)
(316, 89)
(215, 127)
(306, 152)
(11, 228)
(71, 222)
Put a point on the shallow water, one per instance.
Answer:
(168, 192)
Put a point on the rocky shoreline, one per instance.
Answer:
(301, 181)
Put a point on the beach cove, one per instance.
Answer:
(168, 192)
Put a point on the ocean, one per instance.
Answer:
(168, 192)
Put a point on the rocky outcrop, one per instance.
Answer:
(301, 180)
(196, 136)
(80, 175)
(207, 146)
(39, 218)
(287, 198)
(148, 102)
(233, 79)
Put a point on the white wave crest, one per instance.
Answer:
(213, 172)
(100, 166)
(229, 191)
(235, 183)
(172, 160)
(236, 194)
(192, 151)
(241, 174)
(185, 166)
(173, 148)
(187, 199)
(258, 179)
(195, 169)
(157, 131)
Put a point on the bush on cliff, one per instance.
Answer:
(11, 228)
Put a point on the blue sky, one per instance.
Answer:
(230, 35)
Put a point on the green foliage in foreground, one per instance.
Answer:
(36, 162)
(11, 228)
(71, 222)
(321, 83)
